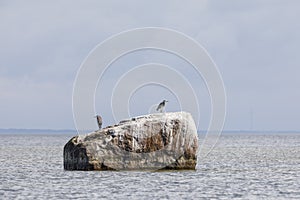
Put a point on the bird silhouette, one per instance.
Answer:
(161, 106)
(99, 121)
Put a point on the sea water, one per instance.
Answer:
(241, 166)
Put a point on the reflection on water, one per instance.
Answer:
(241, 166)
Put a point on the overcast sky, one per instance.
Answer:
(254, 43)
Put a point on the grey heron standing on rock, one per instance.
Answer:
(99, 121)
(161, 106)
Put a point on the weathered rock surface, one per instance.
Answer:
(155, 141)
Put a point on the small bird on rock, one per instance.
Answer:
(99, 121)
(161, 106)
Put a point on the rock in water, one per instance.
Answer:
(150, 142)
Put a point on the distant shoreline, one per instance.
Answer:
(72, 131)
(37, 131)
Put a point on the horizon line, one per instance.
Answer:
(74, 130)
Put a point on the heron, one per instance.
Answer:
(99, 121)
(161, 106)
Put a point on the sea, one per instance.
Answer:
(241, 166)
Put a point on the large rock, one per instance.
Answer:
(155, 141)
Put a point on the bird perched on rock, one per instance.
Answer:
(99, 121)
(161, 106)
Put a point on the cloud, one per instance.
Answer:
(26, 104)
(254, 43)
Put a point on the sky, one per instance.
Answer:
(254, 44)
